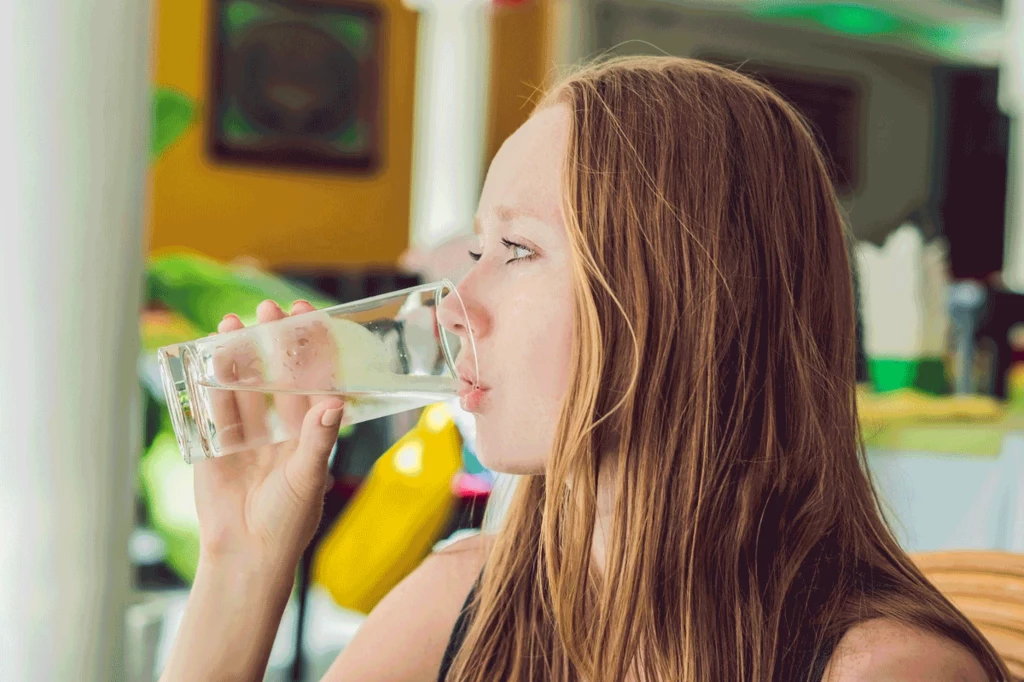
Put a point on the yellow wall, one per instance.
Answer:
(288, 218)
(281, 218)
(519, 66)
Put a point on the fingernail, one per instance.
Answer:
(227, 319)
(332, 417)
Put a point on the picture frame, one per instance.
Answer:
(296, 84)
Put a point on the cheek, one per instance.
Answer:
(541, 342)
(517, 436)
(559, 357)
(526, 355)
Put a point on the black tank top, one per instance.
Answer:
(466, 616)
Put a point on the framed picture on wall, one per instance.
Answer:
(832, 105)
(296, 83)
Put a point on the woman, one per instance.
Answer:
(663, 311)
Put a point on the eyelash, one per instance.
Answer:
(509, 245)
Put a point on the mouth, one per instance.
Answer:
(468, 381)
(471, 394)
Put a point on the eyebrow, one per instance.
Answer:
(507, 214)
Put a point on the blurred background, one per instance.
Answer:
(175, 161)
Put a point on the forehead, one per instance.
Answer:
(526, 173)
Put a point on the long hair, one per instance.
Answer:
(713, 386)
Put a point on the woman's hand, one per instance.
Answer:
(259, 507)
(263, 505)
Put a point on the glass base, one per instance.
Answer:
(179, 403)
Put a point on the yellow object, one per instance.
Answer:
(395, 517)
(1015, 384)
(909, 404)
(910, 420)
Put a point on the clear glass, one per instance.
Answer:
(252, 387)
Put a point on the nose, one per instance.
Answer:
(460, 314)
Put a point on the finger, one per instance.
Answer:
(229, 323)
(304, 360)
(288, 358)
(250, 370)
(227, 419)
(302, 306)
(327, 380)
(306, 468)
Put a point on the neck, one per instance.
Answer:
(602, 536)
(603, 520)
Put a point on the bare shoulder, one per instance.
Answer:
(884, 649)
(404, 638)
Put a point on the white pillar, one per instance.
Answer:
(450, 115)
(572, 33)
(1011, 98)
(74, 127)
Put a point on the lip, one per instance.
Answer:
(471, 399)
(471, 393)
(467, 386)
(467, 379)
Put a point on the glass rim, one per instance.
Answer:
(374, 301)
(443, 333)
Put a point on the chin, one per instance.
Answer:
(506, 460)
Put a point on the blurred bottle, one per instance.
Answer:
(1015, 377)
(966, 304)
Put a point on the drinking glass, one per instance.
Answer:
(251, 387)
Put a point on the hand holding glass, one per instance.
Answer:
(252, 387)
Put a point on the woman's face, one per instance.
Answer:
(518, 299)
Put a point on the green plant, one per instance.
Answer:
(173, 113)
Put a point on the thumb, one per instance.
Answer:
(307, 467)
